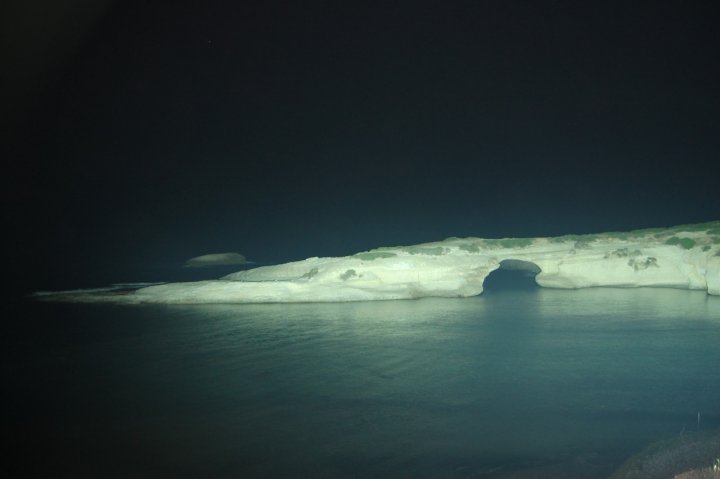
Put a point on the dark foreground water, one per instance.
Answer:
(538, 383)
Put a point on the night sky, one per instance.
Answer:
(138, 134)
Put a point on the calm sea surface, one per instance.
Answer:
(503, 385)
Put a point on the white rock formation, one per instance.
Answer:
(686, 257)
(216, 259)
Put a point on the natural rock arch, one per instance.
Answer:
(499, 276)
(686, 257)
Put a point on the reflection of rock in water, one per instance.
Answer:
(584, 466)
(687, 457)
(703, 473)
(690, 456)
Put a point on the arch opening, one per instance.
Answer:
(513, 274)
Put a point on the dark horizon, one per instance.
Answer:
(146, 133)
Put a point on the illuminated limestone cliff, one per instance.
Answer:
(681, 257)
(686, 257)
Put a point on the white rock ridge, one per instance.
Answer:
(686, 257)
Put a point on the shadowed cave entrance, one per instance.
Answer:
(513, 274)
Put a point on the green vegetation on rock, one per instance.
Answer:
(372, 255)
(516, 242)
(469, 247)
(425, 250)
(583, 239)
(712, 227)
(687, 243)
(649, 231)
(672, 236)
(697, 226)
(621, 235)
(583, 243)
(508, 242)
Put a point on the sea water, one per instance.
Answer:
(502, 385)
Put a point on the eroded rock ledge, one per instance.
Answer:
(686, 257)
